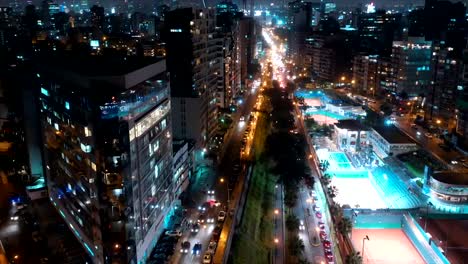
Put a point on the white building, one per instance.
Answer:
(350, 133)
(390, 141)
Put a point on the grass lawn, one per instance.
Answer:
(261, 133)
(416, 171)
(252, 241)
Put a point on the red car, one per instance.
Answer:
(329, 255)
(323, 235)
(327, 243)
(319, 215)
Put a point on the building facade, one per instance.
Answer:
(195, 63)
(412, 61)
(108, 152)
(365, 74)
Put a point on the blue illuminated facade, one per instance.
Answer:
(108, 157)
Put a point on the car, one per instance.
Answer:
(210, 192)
(207, 258)
(301, 225)
(413, 126)
(212, 247)
(328, 254)
(327, 243)
(201, 219)
(16, 216)
(318, 215)
(221, 216)
(185, 247)
(174, 233)
(323, 234)
(195, 228)
(321, 224)
(196, 250)
(242, 119)
(217, 231)
(210, 220)
(428, 135)
(316, 208)
(202, 208)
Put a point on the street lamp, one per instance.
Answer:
(427, 215)
(364, 240)
(227, 187)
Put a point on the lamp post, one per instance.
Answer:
(427, 215)
(364, 240)
(227, 188)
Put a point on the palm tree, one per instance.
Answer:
(296, 246)
(354, 258)
(345, 226)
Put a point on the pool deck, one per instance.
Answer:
(386, 246)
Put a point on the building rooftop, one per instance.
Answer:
(393, 135)
(451, 177)
(94, 66)
(351, 124)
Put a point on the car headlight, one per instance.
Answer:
(181, 251)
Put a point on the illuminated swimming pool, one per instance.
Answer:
(379, 188)
(312, 112)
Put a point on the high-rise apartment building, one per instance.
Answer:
(108, 151)
(195, 63)
(412, 61)
(365, 74)
(377, 31)
(446, 70)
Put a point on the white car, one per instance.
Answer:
(221, 216)
(212, 247)
(207, 258)
(174, 233)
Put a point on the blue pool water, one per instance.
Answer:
(309, 94)
(388, 185)
(310, 112)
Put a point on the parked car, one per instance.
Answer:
(212, 247)
(327, 243)
(174, 233)
(217, 231)
(207, 258)
(323, 234)
(328, 255)
(318, 214)
(196, 250)
(321, 224)
(221, 216)
(316, 208)
(185, 247)
(428, 135)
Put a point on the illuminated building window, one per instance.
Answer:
(67, 105)
(87, 132)
(44, 92)
(56, 126)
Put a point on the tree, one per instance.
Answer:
(290, 198)
(296, 246)
(345, 226)
(292, 223)
(354, 258)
